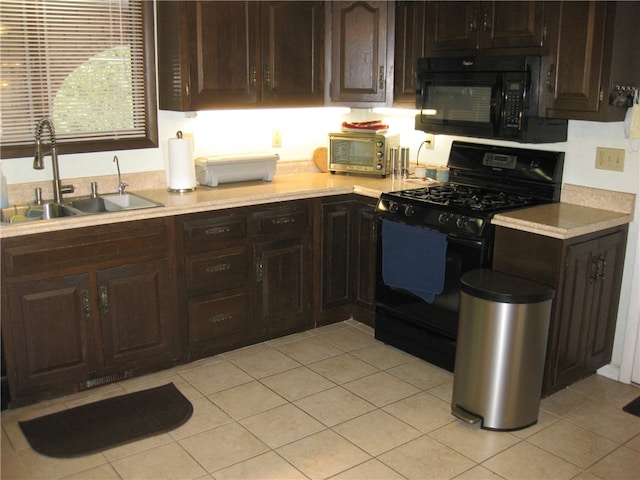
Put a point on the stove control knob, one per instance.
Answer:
(379, 144)
(408, 210)
(444, 218)
(393, 207)
(461, 222)
(379, 166)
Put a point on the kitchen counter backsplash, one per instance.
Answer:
(21, 193)
(598, 198)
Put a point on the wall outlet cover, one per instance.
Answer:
(610, 159)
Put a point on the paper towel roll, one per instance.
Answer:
(182, 173)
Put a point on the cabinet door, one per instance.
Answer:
(574, 74)
(604, 310)
(511, 24)
(451, 26)
(224, 58)
(359, 51)
(282, 279)
(293, 53)
(574, 316)
(410, 34)
(335, 254)
(484, 25)
(50, 327)
(364, 255)
(137, 309)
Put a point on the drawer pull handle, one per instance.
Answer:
(221, 267)
(259, 268)
(86, 305)
(283, 221)
(220, 317)
(217, 230)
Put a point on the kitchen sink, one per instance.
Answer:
(113, 202)
(127, 201)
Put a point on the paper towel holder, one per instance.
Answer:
(182, 189)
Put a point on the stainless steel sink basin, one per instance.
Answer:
(89, 205)
(127, 201)
(48, 211)
(112, 202)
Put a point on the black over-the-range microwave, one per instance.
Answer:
(487, 97)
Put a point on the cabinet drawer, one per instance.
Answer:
(79, 247)
(214, 271)
(218, 318)
(216, 232)
(282, 218)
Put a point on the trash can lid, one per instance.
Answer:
(501, 287)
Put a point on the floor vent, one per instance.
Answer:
(98, 382)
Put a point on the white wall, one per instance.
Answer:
(303, 130)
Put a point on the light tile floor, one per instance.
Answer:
(335, 403)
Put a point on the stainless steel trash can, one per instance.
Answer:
(502, 341)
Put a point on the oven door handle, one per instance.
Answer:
(464, 242)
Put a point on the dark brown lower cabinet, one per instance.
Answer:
(246, 275)
(282, 292)
(136, 314)
(347, 259)
(83, 306)
(586, 273)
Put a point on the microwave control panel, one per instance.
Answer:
(513, 103)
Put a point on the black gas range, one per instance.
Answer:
(485, 180)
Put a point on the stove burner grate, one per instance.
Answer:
(465, 196)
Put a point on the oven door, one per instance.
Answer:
(427, 330)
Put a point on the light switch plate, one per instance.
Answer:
(610, 159)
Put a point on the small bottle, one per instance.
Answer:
(4, 197)
(404, 162)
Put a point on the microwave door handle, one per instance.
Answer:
(496, 105)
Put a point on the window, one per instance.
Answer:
(89, 65)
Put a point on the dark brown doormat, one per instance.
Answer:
(108, 423)
(633, 407)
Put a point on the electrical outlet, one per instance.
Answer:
(430, 141)
(610, 159)
(276, 138)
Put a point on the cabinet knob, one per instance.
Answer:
(267, 76)
(104, 299)
(551, 81)
(254, 75)
(486, 21)
(259, 268)
(86, 304)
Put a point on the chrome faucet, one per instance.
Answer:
(38, 160)
(121, 185)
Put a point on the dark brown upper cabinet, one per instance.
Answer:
(465, 27)
(410, 37)
(361, 53)
(240, 54)
(593, 47)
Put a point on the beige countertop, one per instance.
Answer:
(283, 187)
(559, 220)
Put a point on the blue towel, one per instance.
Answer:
(413, 259)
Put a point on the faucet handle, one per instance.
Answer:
(67, 189)
(121, 187)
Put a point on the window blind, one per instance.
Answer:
(80, 62)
